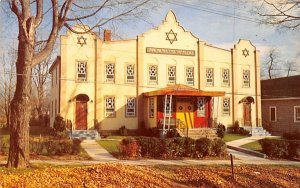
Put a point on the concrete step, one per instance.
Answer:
(198, 133)
(85, 134)
(257, 131)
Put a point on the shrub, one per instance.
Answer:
(171, 133)
(150, 146)
(55, 147)
(221, 130)
(243, 131)
(123, 131)
(291, 136)
(130, 148)
(203, 147)
(236, 127)
(190, 147)
(219, 147)
(59, 124)
(294, 149)
(280, 148)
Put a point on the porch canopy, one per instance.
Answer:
(183, 90)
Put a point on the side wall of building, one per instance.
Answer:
(285, 113)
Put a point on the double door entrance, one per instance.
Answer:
(185, 114)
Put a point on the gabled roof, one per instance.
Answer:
(182, 90)
(285, 87)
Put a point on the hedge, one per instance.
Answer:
(277, 148)
(171, 148)
(55, 147)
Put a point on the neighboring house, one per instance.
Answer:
(164, 75)
(281, 104)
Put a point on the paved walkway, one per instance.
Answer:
(96, 152)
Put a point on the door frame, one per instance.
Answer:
(82, 100)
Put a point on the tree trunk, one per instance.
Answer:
(20, 106)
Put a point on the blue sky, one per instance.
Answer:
(211, 21)
(214, 23)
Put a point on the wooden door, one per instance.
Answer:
(81, 115)
(247, 114)
(185, 113)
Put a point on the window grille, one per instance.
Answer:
(151, 107)
(201, 106)
(226, 106)
(246, 78)
(110, 72)
(110, 107)
(209, 77)
(130, 73)
(189, 73)
(81, 71)
(225, 76)
(130, 107)
(153, 74)
(171, 74)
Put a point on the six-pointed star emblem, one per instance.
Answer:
(171, 36)
(245, 52)
(81, 40)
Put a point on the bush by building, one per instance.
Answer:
(171, 148)
(279, 148)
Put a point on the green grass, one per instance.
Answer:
(116, 137)
(231, 137)
(253, 146)
(111, 146)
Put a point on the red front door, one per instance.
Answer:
(81, 115)
(247, 114)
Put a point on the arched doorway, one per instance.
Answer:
(247, 110)
(81, 112)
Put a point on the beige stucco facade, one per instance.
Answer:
(160, 49)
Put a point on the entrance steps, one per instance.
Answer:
(257, 131)
(85, 134)
(198, 133)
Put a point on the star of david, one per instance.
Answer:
(81, 40)
(245, 52)
(171, 36)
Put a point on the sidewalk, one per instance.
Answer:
(96, 152)
(235, 145)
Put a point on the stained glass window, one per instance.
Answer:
(209, 76)
(130, 73)
(81, 71)
(201, 107)
(225, 77)
(130, 107)
(226, 106)
(189, 74)
(110, 72)
(153, 74)
(109, 106)
(246, 78)
(151, 107)
(171, 74)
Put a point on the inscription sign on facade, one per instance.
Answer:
(168, 51)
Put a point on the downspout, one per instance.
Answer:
(232, 86)
(137, 81)
(95, 84)
(256, 103)
(198, 64)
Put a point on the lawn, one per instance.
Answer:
(231, 137)
(119, 175)
(38, 133)
(253, 146)
(111, 146)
